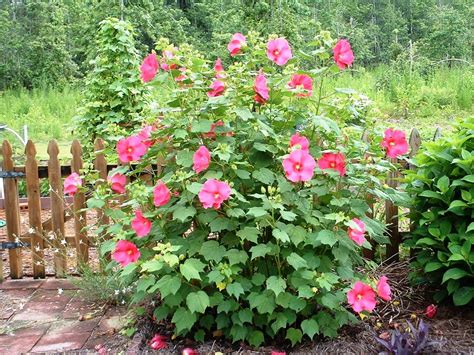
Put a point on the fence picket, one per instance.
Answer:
(82, 244)
(391, 219)
(34, 211)
(12, 213)
(57, 209)
(100, 164)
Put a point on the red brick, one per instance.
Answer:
(76, 309)
(71, 326)
(44, 314)
(54, 284)
(20, 284)
(61, 342)
(17, 294)
(17, 345)
(52, 296)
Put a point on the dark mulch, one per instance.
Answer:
(452, 326)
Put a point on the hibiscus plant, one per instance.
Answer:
(243, 205)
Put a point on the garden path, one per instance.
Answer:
(50, 316)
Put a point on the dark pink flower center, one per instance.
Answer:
(216, 196)
(297, 167)
(391, 143)
(276, 52)
(332, 164)
(359, 296)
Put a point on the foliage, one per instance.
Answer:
(413, 341)
(380, 31)
(442, 186)
(275, 259)
(114, 97)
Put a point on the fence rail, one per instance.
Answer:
(62, 210)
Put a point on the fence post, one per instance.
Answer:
(391, 218)
(100, 164)
(12, 213)
(34, 211)
(415, 143)
(82, 244)
(369, 253)
(57, 209)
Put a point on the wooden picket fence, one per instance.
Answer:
(81, 240)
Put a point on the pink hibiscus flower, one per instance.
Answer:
(279, 51)
(167, 55)
(217, 88)
(236, 43)
(213, 193)
(125, 253)
(219, 69)
(394, 142)
(117, 182)
(140, 224)
(383, 289)
(72, 184)
(131, 149)
(303, 83)
(145, 135)
(201, 159)
(149, 68)
(299, 142)
(357, 233)
(182, 76)
(261, 89)
(361, 297)
(161, 194)
(158, 342)
(335, 161)
(189, 351)
(299, 166)
(343, 55)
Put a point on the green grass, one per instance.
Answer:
(400, 99)
(403, 100)
(48, 113)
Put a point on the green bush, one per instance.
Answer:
(275, 259)
(442, 187)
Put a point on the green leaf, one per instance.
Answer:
(432, 266)
(443, 184)
(264, 175)
(276, 284)
(468, 178)
(183, 319)
(249, 233)
(243, 174)
(194, 188)
(95, 203)
(310, 327)
(182, 213)
(152, 265)
(296, 261)
(211, 250)
(168, 285)
(470, 227)
(457, 204)
(327, 237)
(184, 158)
(238, 332)
(454, 274)
(197, 301)
(201, 126)
(281, 235)
(191, 269)
(255, 338)
(294, 335)
(280, 322)
(235, 289)
(463, 296)
(244, 113)
(220, 224)
(257, 212)
(259, 250)
(245, 315)
(288, 216)
(236, 256)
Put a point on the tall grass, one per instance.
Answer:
(400, 98)
(408, 99)
(47, 112)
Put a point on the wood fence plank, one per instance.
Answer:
(415, 144)
(12, 213)
(391, 218)
(34, 211)
(57, 209)
(82, 244)
(100, 164)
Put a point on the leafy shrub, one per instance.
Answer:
(114, 97)
(272, 258)
(443, 205)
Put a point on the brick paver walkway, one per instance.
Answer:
(50, 316)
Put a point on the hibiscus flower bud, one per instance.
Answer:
(431, 311)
